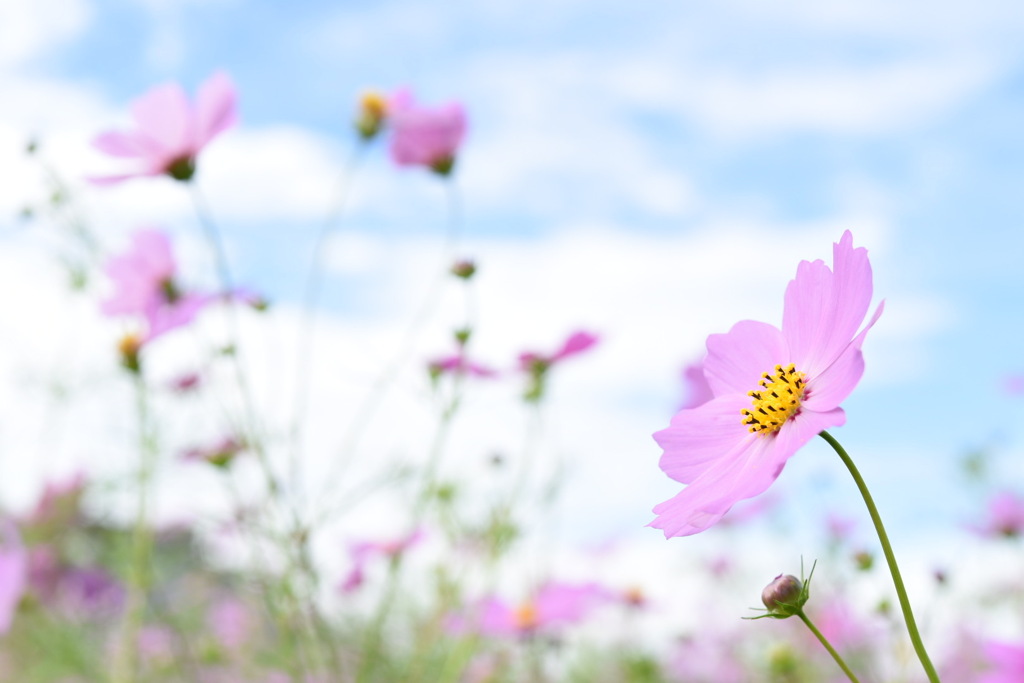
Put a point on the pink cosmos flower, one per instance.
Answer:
(1008, 660)
(422, 136)
(362, 551)
(170, 131)
(698, 391)
(774, 391)
(1005, 516)
(555, 604)
(13, 573)
(144, 285)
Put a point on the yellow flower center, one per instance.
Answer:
(778, 400)
(525, 616)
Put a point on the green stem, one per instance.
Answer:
(890, 558)
(828, 646)
(127, 662)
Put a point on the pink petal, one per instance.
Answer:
(698, 391)
(737, 359)
(576, 343)
(698, 437)
(118, 144)
(746, 470)
(164, 116)
(216, 108)
(104, 180)
(824, 308)
(830, 388)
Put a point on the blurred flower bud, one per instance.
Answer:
(785, 596)
(462, 335)
(128, 348)
(370, 117)
(463, 268)
(863, 560)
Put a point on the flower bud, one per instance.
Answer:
(371, 115)
(785, 596)
(128, 348)
(463, 268)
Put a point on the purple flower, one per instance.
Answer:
(1005, 516)
(145, 285)
(424, 136)
(13, 573)
(774, 391)
(170, 131)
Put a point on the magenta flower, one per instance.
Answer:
(362, 551)
(170, 131)
(774, 391)
(13, 573)
(422, 136)
(553, 605)
(1005, 516)
(1008, 661)
(144, 285)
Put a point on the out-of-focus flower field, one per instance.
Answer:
(285, 408)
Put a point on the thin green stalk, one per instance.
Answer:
(310, 296)
(890, 558)
(127, 661)
(828, 646)
(382, 384)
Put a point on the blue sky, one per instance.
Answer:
(654, 171)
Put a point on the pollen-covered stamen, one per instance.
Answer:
(778, 400)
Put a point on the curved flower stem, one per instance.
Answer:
(890, 558)
(828, 646)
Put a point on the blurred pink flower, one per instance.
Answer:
(169, 130)
(13, 573)
(708, 657)
(577, 343)
(698, 391)
(1005, 516)
(361, 551)
(774, 391)
(459, 364)
(231, 622)
(220, 453)
(554, 605)
(536, 365)
(1007, 660)
(423, 136)
(144, 285)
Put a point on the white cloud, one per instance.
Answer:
(29, 27)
